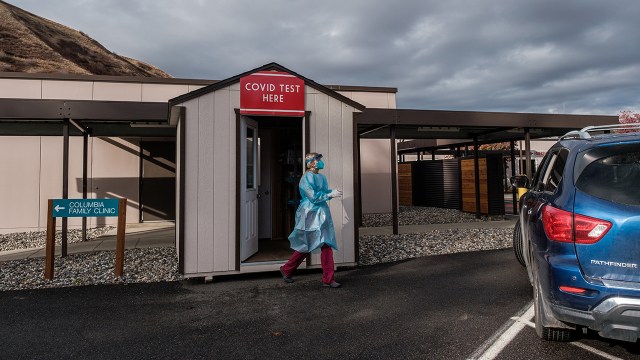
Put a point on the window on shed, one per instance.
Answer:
(250, 158)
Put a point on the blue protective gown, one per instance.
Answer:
(314, 226)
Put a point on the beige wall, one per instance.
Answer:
(113, 162)
(37, 176)
(209, 227)
(379, 100)
(331, 134)
(19, 183)
(375, 158)
(91, 90)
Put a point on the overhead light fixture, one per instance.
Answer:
(151, 125)
(438, 129)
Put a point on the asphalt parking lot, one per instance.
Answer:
(455, 306)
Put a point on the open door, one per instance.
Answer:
(249, 182)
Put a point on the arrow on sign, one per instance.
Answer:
(58, 208)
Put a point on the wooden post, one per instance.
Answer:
(50, 248)
(122, 223)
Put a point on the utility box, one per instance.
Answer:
(491, 184)
(436, 183)
(405, 185)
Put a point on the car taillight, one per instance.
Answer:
(559, 226)
(589, 230)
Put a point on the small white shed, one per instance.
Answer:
(240, 145)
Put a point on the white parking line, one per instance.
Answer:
(501, 338)
(595, 351)
(510, 329)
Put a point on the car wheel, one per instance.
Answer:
(517, 243)
(545, 333)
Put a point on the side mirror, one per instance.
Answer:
(520, 181)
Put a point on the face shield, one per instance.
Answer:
(312, 157)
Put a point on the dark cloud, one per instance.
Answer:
(573, 56)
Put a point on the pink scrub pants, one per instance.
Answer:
(326, 258)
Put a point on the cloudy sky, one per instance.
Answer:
(547, 56)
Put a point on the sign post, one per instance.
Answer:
(51, 242)
(84, 208)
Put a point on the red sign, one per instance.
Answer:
(272, 93)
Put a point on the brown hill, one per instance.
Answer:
(32, 44)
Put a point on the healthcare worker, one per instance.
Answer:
(313, 231)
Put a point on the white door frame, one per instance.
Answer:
(265, 187)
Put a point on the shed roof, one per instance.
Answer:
(271, 66)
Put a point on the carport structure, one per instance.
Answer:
(95, 118)
(66, 118)
(464, 128)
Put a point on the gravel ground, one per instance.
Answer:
(161, 264)
(376, 249)
(140, 265)
(416, 215)
(38, 239)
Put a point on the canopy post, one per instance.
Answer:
(476, 166)
(394, 180)
(65, 181)
(513, 173)
(527, 152)
(85, 157)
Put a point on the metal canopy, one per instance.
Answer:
(488, 127)
(27, 117)
(33, 117)
(469, 127)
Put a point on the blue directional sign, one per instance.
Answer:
(85, 207)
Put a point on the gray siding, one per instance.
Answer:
(210, 177)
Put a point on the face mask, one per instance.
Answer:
(320, 165)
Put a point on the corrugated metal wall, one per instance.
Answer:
(495, 184)
(436, 183)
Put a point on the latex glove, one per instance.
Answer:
(335, 193)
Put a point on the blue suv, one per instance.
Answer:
(578, 235)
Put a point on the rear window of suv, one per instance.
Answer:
(613, 175)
